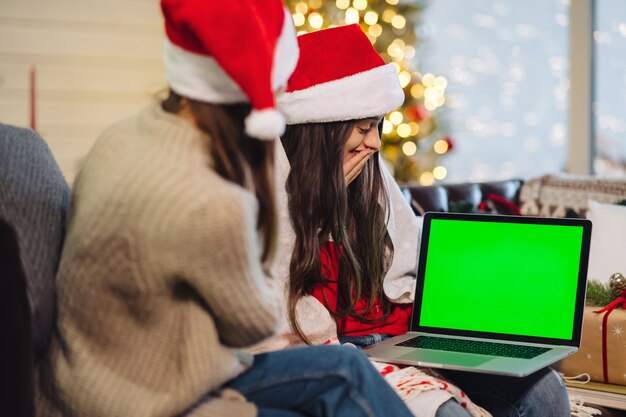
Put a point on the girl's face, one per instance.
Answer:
(362, 143)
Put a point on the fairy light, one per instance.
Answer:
(392, 2)
(428, 80)
(352, 16)
(404, 130)
(388, 15)
(430, 105)
(440, 172)
(427, 178)
(395, 117)
(316, 20)
(371, 18)
(409, 52)
(359, 4)
(298, 19)
(343, 4)
(440, 83)
(394, 50)
(302, 8)
(302, 32)
(417, 90)
(396, 66)
(405, 78)
(441, 146)
(431, 93)
(375, 30)
(400, 43)
(415, 128)
(409, 148)
(398, 21)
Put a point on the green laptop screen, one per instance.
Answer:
(510, 278)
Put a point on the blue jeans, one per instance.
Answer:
(366, 340)
(318, 381)
(541, 394)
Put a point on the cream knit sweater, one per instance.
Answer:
(160, 280)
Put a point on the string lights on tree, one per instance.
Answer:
(414, 137)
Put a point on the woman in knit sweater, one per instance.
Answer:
(165, 269)
(344, 207)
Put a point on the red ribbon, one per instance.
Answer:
(33, 104)
(495, 198)
(607, 310)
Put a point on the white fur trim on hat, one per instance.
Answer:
(285, 54)
(266, 124)
(370, 93)
(199, 77)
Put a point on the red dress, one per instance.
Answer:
(397, 322)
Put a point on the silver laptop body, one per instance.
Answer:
(495, 294)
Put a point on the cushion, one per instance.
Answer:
(34, 198)
(563, 195)
(608, 240)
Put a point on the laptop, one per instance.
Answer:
(495, 294)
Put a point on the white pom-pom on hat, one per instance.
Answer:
(266, 124)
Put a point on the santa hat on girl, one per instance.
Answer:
(231, 52)
(339, 76)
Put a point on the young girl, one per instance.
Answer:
(163, 275)
(341, 200)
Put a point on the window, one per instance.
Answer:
(609, 86)
(507, 64)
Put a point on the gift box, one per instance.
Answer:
(590, 358)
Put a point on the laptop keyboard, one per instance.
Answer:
(474, 346)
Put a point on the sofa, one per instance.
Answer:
(463, 197)
(34, 199)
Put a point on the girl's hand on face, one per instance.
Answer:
(353, 166)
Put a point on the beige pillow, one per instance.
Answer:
(608, 240)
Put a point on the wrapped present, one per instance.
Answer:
(602, 353)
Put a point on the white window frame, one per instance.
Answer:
(581, 152)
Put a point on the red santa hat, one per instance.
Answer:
(231, 52)
(339, 76)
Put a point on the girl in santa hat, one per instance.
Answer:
(165, 268)
(348, 246)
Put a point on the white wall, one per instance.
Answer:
(96, 61)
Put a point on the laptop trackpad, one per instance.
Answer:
(441, 357)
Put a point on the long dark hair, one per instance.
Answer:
(237, 157)
(321, 205)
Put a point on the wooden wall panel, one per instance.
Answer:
(95, 60)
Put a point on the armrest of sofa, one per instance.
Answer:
(466, 197)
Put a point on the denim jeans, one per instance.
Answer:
(541, 394)
(318, 381)
(363, 341)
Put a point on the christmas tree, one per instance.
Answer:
(414, 138)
